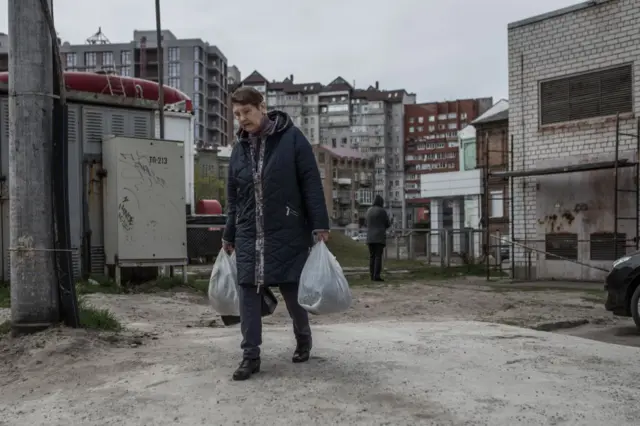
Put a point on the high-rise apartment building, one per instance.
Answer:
(431, 139)
(338, 116)
(190, 65)
(234, 79)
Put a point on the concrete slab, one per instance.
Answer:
(449, 373)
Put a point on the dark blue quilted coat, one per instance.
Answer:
(293, 204)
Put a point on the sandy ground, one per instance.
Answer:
(402, 355)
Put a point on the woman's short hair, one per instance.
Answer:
(247, 95)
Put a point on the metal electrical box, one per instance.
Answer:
(144, 202)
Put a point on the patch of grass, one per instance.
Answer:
(5, 328)
(5, 295)
(200, 285)
(352, 254)
(422, 274)
(98, 284)
(93, 318)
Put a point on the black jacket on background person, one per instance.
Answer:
(377, 222)
(293, 204)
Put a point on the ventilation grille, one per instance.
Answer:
(97, 260)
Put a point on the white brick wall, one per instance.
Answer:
(583, 40)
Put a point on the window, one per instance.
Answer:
(595, 94)
(420, 119)
(90, 59)
(197, 68)
(197, 53)
(432, 128)
(463, 116)
(564, 245)
(174, 82)
(420, 129)
(125, 57)
(174, 54)
(71, 60)
(452, 115)
(107, 59)
(321, 158)
(496, 203)
(411, 130)
(432, 118)
(197, 86)
(174, 69)
(126, 71)
(452, 126)
(412, 120)
(603, 246)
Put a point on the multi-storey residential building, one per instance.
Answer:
(190, 65)
(431, 139)
(347, 178)
(571, 73)
(337, 115)
(234, 80)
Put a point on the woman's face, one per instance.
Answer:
(249, 117)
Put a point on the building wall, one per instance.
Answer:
(588, 37)
(493, 147)
(431, 143)
(190, 65)
(347, 184)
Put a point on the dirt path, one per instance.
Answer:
(175, 330)
(461, 299)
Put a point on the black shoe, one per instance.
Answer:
(247, 368)
(302, 352)
(380, 280)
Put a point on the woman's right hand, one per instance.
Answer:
(228, 247)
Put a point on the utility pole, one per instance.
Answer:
(160, 70)
(34, 293)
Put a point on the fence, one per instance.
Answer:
(438, 247)
(444, 247)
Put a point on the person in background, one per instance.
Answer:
(377, 224)
(275, 210)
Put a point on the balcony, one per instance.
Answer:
(364, 197)
(344, 181)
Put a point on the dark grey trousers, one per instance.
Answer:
(251, 318)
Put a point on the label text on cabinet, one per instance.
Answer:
(158, 160)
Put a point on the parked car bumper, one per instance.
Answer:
(616, 285)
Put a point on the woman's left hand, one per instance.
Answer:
(322, 236)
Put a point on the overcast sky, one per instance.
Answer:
(439, 49)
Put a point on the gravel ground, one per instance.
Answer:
(163, 329)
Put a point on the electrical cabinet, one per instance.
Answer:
(144, 202)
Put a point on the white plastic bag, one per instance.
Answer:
(223, 285)
(323, 286)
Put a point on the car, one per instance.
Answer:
(362, 237)
(622, 285)
(504, 253)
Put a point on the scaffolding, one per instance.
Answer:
(502, 172)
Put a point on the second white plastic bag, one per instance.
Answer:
(223, 285)
(323, 287)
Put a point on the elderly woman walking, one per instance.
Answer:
(275, 210)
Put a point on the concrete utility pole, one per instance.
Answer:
(160, 70)
(34, 294)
